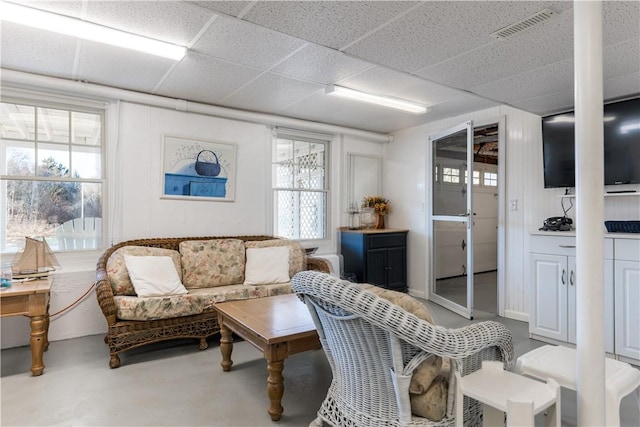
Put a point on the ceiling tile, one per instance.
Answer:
(271, 92)
(440, 30)
(321, 65)
(40, 52)
(118, 67)
(384, 81)
(621, 59)
(344, 112)
(556, 102)
(231, 8)
(328, 23)
(462, 105)
(620, 21)
(171, 21)
(204, 79)
(545, 80)
(622, 86)
(245, 43)
(61, 7)
(495, 60)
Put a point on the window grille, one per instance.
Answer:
(300, 187)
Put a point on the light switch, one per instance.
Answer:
(513, 204)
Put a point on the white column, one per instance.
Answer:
(589, 212)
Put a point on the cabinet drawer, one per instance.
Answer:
(627, 249)
(563, 245)
(386, 240)
(555, 245)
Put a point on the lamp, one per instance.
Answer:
(375, 99)
(88, 30)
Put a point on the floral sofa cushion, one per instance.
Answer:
(216, 262)
(297, 254)
(195, 302)
(117, 270)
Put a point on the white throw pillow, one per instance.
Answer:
(267, 265)
(154, 276)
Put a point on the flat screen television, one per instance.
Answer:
(621, 146)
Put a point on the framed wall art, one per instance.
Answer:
(198, 169)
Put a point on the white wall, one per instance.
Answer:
(404, 183)
(136, 210)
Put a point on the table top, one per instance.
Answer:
(25, 288)
(275, 319)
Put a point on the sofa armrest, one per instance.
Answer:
(318, 264)
(104, 294)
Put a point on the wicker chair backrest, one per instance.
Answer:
(365, 337)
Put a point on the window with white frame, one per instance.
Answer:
(451, 175)
(300, 187)
(51, 175)
(490, 179)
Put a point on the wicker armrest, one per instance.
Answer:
(453, 343)
(106, 300)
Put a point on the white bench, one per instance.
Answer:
(559, 363)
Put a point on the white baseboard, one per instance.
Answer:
(417, 294)
(516, 315)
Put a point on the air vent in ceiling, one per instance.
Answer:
(529, 22)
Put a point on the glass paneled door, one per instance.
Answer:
(451, 222)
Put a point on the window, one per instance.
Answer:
(490, 179)
(450, 175)
(50, 175)
(476, 177)
(300, 187)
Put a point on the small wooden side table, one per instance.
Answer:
(30, 299)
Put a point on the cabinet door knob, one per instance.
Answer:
(564, 275)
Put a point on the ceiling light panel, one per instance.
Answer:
(89, 31)
(384, 101)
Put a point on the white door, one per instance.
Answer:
(451, 223)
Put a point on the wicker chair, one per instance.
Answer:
(123, 335)
(373, 347)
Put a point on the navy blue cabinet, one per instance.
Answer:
(378, 257)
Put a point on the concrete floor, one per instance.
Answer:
(174, 384)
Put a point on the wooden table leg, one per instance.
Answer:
(226, 346)
(38, 338)
(46, 329)
(275, 388)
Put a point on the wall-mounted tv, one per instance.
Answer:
(621, 145)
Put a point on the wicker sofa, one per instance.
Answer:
(212, 269)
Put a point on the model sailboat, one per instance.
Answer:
(36, 261)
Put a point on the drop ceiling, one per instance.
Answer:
(276, 57)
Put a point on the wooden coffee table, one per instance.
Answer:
(279, 326)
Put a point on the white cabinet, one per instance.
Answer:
(553, 287)
(627, 298)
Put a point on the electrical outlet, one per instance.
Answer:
(513, 204)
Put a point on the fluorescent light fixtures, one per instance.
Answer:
(88, 31)
(376, 99)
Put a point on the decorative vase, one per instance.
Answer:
(368, 218)
(379, 222)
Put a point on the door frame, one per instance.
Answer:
(467, 219)
(502, 207)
